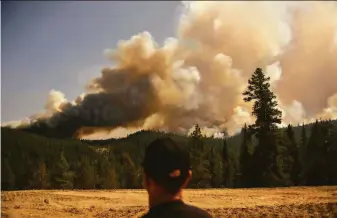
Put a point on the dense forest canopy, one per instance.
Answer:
(262, 155)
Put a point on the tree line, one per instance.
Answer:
(262, 155)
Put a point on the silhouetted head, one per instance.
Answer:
(166, 168)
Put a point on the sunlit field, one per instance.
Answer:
(273, 202)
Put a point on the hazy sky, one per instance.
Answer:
(59, 45)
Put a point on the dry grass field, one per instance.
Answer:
(274, 202)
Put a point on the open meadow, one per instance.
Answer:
(273, 202)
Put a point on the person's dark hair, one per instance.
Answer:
(167, 163)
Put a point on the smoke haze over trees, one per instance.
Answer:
(198, 76)
(261, 156)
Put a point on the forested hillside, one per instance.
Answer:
(262, 155)
(35, 162)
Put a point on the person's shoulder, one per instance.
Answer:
(146, 215)
(197, 212)
(180, 210)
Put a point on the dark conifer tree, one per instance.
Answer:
(212, 166)
(107, 173)
(303, 137)
(39, 179)
(303, 150)
(225, 164)
(265, 104)
(7, 176)
(245, 158)
(294, 153)
(328, 153)
(331, 144)
(196, 139)
(314, 172)
(62, 177)
(267, 116)
(199, 160)
(129, 172)
(85, 177)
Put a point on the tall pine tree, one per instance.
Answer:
(265, 106)
(196, 139)
(267, 116)
(199, 160)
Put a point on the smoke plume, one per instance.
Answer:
(199, 76)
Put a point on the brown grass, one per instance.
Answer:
(273, 202)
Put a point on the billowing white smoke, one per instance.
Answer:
(54, 101)
(199, 76)
(309, 64)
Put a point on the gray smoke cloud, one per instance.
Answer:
(198, 77)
